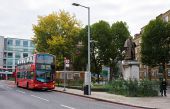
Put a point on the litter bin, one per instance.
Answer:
(86, 90)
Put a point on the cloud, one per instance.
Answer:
(17, 16)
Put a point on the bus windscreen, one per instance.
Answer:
(44, 69)
(44, 76)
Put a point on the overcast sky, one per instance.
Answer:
(17, 16)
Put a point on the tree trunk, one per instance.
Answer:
(98, 80)
(111, 73)
(149, 73)
(164, 71)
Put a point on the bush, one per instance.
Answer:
(78, 82)
(134, 88)
(99, 88)
(149, 88)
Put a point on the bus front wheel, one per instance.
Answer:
(17, 84)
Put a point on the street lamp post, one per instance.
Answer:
(88, 67)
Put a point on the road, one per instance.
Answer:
(12, 97)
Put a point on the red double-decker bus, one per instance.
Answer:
(36, 72)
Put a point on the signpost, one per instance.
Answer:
(66, 65)
(106, 72)
(6, 75)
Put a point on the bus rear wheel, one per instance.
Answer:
(27, 85)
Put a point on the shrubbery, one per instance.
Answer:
(134, 88)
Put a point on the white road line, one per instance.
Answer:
(9, 85)
(20, 91)
(39, 97)
(66, 106)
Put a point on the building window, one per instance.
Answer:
(25, 43)
(25, 50)
(9, 62)
(62, 76)
(9, 48)
(166, 18)
(17, 42)
(69, 76)
(25, 55)
(31, 44)
(168, 72)
(10, 42)
(9, 66)
(10, 55)
(17, 55)
(16, 61)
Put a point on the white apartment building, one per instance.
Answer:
(11, 49)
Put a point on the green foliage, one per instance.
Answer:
(134, 88)
(78, 82)
(100, 47)
(106, 46)
(56, 34)
(120, 33)
(155, 48)
(101, 34)
(11, 79)
(148, 88)
(73, 84)
(80, 59)
(98, 87)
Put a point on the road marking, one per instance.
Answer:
(10, 85)
(39, 97)
(20, 91)
(66, 106)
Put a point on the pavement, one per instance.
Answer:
(146, 102)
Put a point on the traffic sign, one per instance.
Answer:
(66, 62)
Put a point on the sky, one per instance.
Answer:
(18, 16)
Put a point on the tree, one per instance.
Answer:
(119, 34)
(80, 58)
(109, 46)
(55, 34)
(100, 50)
(155, 48)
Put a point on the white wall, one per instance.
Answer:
(1, 50)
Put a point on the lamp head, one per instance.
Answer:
(75, 4)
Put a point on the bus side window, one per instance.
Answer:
(18, 75)
(28, 75)
(31, 75)
(22, 74)
(25, 75)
